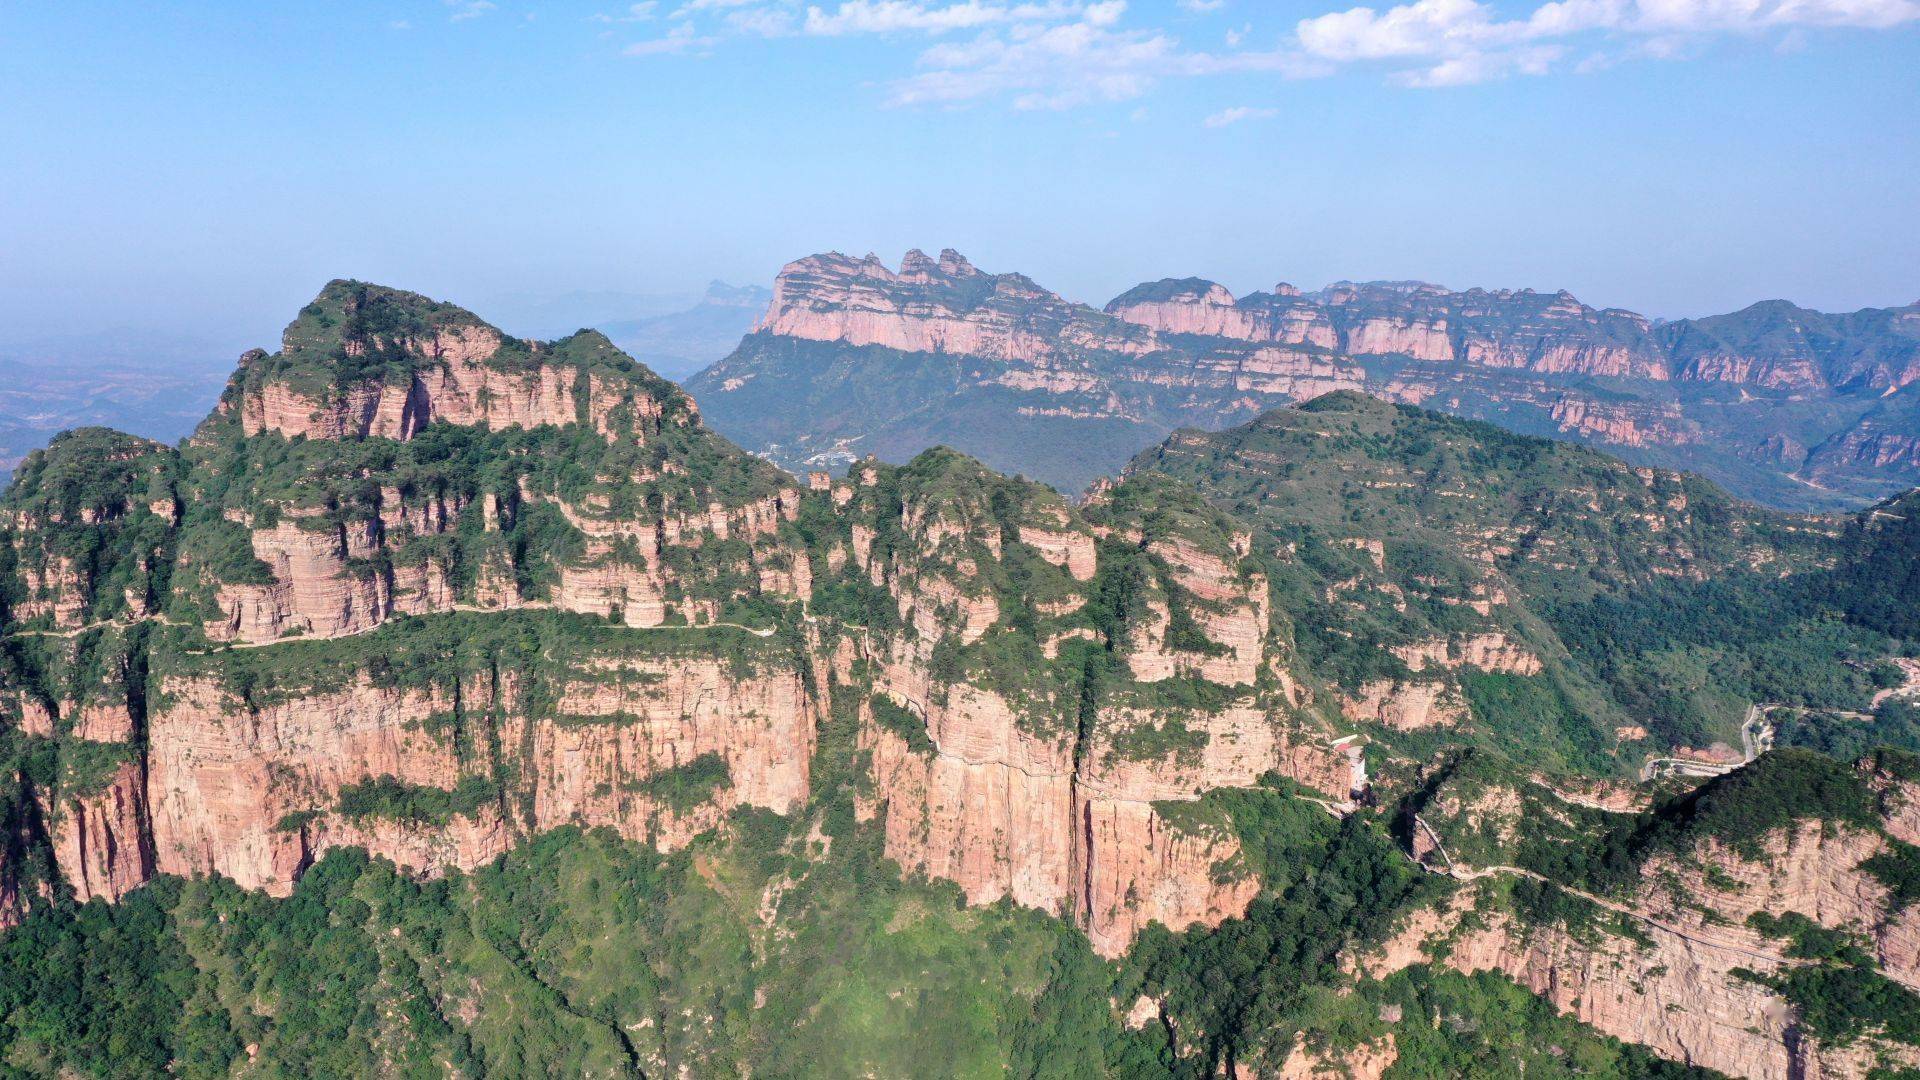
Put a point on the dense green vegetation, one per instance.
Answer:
(1840, 1003)
(417, 804)
(1741, 810)
(94, 509)
(1895, 723)
(1655, 600)
(685, 786)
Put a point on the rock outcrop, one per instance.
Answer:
(1045, 385)
(102, 839)
(940, 307)
(257, 791)
(1003, 782)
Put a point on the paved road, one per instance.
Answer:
(1756, 738)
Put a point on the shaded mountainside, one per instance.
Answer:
(1793, 407)
(454, 704)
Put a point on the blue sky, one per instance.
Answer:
(202, 169)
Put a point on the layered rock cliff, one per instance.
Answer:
(1699, 929)
(1046, 685)
(889, 361)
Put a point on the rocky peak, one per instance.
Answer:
(1190, 290)
(948, 306)
(916, 266)
(85, 475)
(357, 319)
(365, 360)
(955, 264)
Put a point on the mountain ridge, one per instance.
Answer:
(1788, 405)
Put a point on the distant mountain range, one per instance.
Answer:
(1795, 407)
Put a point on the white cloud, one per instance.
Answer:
(692, 7)
(896, 16)
(1053, 54)
(1479, 67)
(1050, 67)
(1422, 28)
(469, 9)
(642, 12)
(1238, 113)
(677, 40)
(1743, 15)
(1464, 41)
(768, 22)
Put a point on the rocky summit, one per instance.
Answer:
(456, 704)
(1793, 407)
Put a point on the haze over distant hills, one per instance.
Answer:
(146, 383)
(1795, 407)
(679, 343)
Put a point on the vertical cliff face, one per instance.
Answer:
(939, 353)
(103, 840)
(480, 471)
(975, 712)
(1195, 306)
(1050, 689)
(1782, 345)
(1683, 997)
(87, 549)
(602, 570)
(1773, 345)
(1700, 928)
(653, 739)
(422, 588)
(947, 306)
(88, 528)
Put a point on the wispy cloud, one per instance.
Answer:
(469, 9)
(1238, 113)
(641, 12)
(694, 7)
(1054, 54)
(1456, 42)
(767, 22)
(897, 16)
(680, 39)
